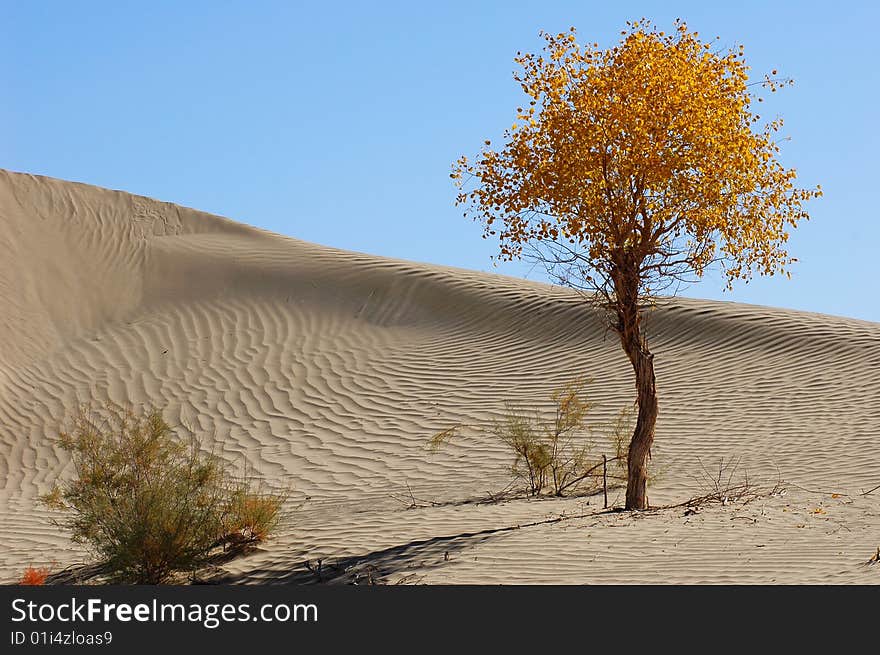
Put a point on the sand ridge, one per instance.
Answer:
(328, 370)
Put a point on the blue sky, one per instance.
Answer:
(337, 122)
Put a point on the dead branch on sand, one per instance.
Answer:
(723, 485)
(412, 502)
(870, 491)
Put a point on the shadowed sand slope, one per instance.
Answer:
(328, 370)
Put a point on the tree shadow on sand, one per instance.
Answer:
(377, 567)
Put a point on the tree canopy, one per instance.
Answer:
(650, 150)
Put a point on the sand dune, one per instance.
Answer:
(328, 370)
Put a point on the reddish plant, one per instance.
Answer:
(33, 576)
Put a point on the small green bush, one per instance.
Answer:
(149, 504)
(559, 455)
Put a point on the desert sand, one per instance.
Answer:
(328, 370)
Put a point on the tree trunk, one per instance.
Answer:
(635, 346)
(643, 435)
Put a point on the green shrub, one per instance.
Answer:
(149, 504)
(560, 455)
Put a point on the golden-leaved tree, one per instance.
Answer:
(632, 170)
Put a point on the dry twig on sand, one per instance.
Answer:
(411, 502)
(870, 491)
(724, 485)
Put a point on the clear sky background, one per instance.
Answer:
(338, 122)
